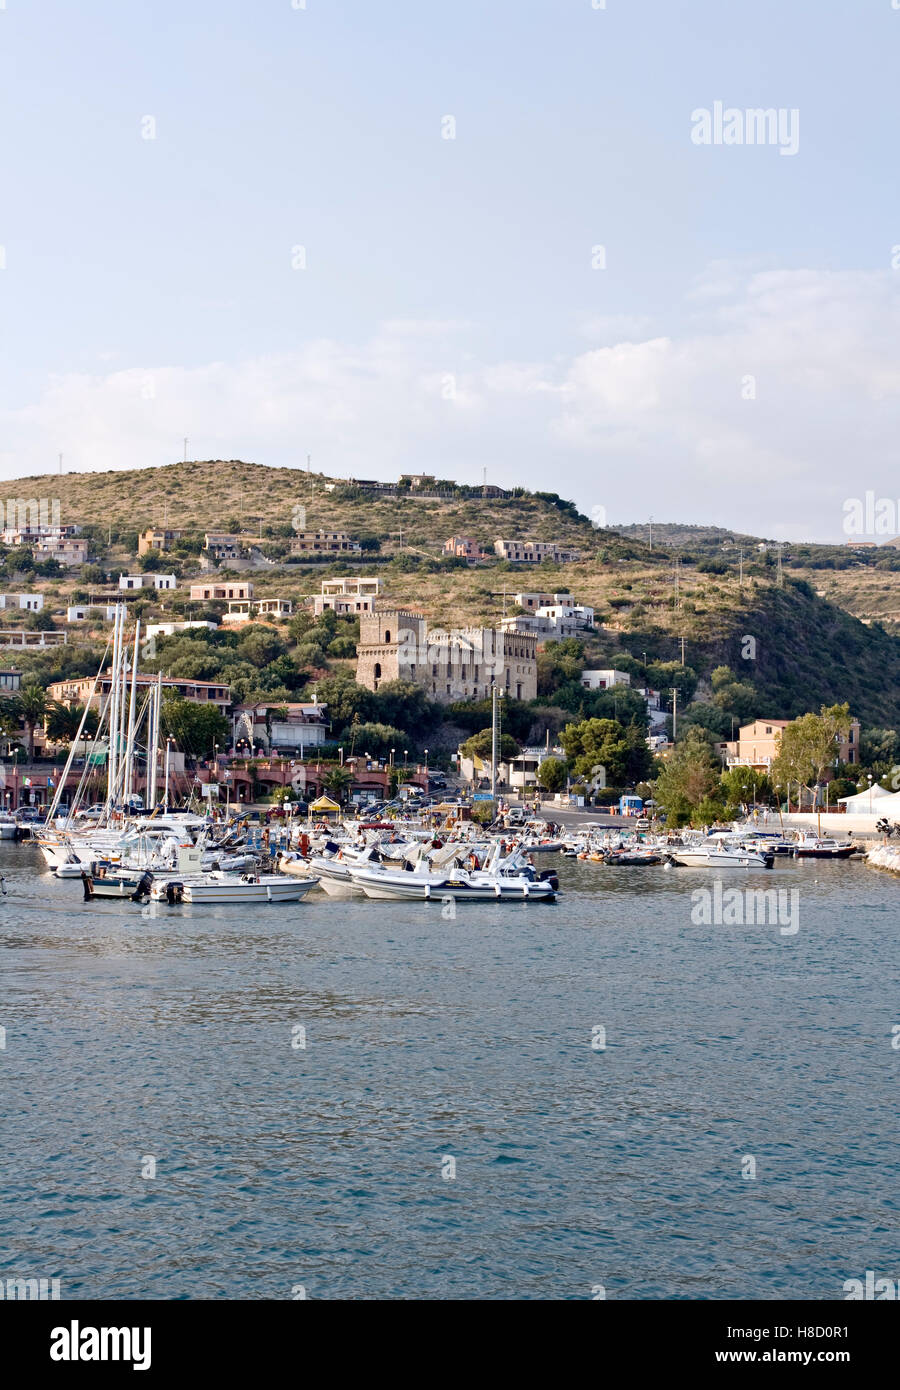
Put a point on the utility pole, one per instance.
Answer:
(780, 579)
(60, 465)
(682, 651)
(741, 581)
(651, 533)
(185, 448)
(674, 712)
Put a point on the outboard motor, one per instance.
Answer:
(550, 876)
(174, 893)
(143, 889)
(88, 886)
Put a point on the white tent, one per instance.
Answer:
(858, 804)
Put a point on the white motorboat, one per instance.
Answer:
(219, 887)
(439, 877)
(8, 826)
(810, 846)
(719, 852)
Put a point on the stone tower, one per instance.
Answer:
(391, 646)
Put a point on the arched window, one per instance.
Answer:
(387, 634)
(378, 670)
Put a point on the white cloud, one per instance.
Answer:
(644, 423)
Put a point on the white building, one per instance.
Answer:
(131, 581)
(603, 680)
(241, 610)
(551, 621)
(31, 603)
(169, 629)
(165, 581)
(292, 727)
(351, 595)
(77, 613)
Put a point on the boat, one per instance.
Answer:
(436, 875)
(720, 852)
(9, 827)
(219, 887)
(810, 846)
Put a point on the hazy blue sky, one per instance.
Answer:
(737, 360)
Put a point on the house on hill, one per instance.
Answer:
(534, 552)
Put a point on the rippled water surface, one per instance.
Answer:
(170, 1036)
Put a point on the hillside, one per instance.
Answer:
(231, 495)
(819, 635)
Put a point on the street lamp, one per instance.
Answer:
(392, 759)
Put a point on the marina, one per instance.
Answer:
(473, 1036)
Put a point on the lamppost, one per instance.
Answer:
(392, 760)
(405, 758)
(426, 769)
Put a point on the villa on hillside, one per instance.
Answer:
(157, 538)
(553, 622)
(534, 552)
(349, 596)
(464, 548)
(222, 593)
(323, 542)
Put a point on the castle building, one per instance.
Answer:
(448, 664)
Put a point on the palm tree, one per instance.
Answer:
(337, 782)
(10, 718)
(63, 721)
(32, 702)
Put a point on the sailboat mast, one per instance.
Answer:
(112, 761)
(129, 747)
(153, 750)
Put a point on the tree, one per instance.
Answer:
(745, 784)
(480, 745)
(344, 699)
(809, 747)
(32, 707)
(597, 742)
(551, 775)
(688, 776)
(337, 782)
(734, 697)
(195, 728)
(375, 739)
(63, 721)
(558, 663)
(40, 622)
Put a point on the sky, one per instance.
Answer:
(476, 238)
